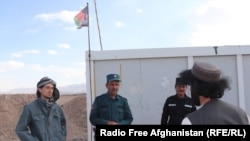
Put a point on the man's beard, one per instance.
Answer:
(50, 99)
(195, 96)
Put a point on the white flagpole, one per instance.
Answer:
(98, 25)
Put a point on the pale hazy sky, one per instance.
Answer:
(39, 38)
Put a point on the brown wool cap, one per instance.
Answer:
(206, 71)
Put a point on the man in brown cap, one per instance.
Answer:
(207, 87)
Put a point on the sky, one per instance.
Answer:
(39, 38)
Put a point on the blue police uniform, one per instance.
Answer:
(106, 109)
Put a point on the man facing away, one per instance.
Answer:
(110, 108)
(207, 87)
(43, 119)
(177, 106)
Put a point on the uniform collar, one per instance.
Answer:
(116, 98)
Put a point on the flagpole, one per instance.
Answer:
(90, 73)
(82, 20)
(89, 55)
(98, 25)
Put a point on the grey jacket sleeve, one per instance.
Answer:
(22, 130)
(63, 123)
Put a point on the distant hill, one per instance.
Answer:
(69, 89)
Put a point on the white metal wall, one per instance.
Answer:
(148, 76)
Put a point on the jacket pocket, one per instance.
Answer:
(187, 108)
(38, 124)
(121, 112)
(104, 112)
(56, 121)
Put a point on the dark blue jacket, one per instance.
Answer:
(105, 108)
(36, 123)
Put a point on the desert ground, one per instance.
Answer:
(74, 107)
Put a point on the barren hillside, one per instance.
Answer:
(74, 107)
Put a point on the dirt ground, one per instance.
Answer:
(74, 107)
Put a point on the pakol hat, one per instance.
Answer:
(206, 80)
(206, 71)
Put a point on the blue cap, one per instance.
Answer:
(113, 77)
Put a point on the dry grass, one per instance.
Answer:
(74, 107)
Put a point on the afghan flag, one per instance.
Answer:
(82, 18)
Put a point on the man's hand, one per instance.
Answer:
(112, 123)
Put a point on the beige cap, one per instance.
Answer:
(206, 71)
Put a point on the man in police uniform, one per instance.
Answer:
(177, 106)
(111, 108)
